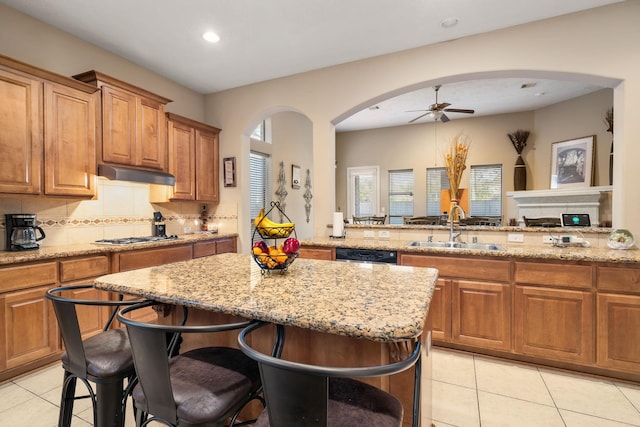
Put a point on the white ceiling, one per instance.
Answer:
(267, 39)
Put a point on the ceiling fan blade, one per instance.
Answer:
(417, 111)
(420, 116)
(444, 118)
(459, 110)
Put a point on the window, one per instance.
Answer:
(362, 191)
(485, 182)
(260, 182)
(486, 190)
(436, 182)
(400, 195)
(262, 132)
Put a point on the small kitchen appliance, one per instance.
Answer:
(159, 228)
(21, 232)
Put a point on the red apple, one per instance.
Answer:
(290, 246)
(262, 245)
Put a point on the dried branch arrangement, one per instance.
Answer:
(519, 139)
(455, 162)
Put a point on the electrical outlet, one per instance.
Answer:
(384, 234)
(547, 239)
(187, 230)
(515, 237)
(369, 233)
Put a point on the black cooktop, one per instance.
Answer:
(134, 240)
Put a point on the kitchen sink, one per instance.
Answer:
(457, 245)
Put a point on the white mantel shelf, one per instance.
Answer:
(553, 203)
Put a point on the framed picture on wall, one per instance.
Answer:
(229, 171)
(572, 163)
(295, 176)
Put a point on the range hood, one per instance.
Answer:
(121, 173)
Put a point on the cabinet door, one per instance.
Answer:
(119, 126)
(440, 311)
(70, 141)
(554, 323)
(29, 330)
(20, 133)
(207, 180)
(151, 137)
(481, 314)
(182, 160)
(619, 332)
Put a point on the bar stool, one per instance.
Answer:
(202, 387)
(304, 395)
(103, 359)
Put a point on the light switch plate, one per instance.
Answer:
(384, 233)
(369, 233)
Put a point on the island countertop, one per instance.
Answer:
(378, 302)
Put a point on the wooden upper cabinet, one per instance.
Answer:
(207, 183)
(182, 162)
(20, 133)
(133, 123)
(193, 159)
(70, 131)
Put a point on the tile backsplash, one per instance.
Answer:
(121, 209)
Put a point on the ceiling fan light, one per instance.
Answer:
(436, 114)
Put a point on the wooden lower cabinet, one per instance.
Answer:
(481, 314)
(125, 261)
(29, 329)
(619, 332)
(440, 311)
(214, 247)
(316, 252)
(556, 324)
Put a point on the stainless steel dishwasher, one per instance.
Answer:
(366, 255)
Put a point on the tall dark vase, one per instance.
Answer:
(611, 165)
(520, 175)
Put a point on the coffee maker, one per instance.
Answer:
(21, 232)
(159, 228)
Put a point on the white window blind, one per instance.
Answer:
(486, 190)
(260, 182)
(436, 181)
(400, 195)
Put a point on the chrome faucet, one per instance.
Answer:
(454, 235)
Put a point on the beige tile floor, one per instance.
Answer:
(468, 390)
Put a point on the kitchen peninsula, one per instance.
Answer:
(335, 313)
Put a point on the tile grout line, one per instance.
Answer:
(551, 395)
(475, 379)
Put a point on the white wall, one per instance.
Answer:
(598, 45)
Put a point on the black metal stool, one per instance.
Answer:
(304, 395)
(202, 387)
(103, 359)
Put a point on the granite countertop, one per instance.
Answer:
(511, 250)
(378, 302)
(59, 251)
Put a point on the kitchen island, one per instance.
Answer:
(335, 313)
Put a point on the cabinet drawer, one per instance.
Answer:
(461, 268)
(547, 274)
(153, 257)
(201, 249)
(83, 268)
(620, 279)
(226, 246)
(28, 276)
(318, 253)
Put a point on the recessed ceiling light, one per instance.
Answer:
(211, 37)
(540, 94)
(449, 22)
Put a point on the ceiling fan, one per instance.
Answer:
(437, 111)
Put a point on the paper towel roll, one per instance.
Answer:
(338, 224)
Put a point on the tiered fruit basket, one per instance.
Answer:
(284, 246)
